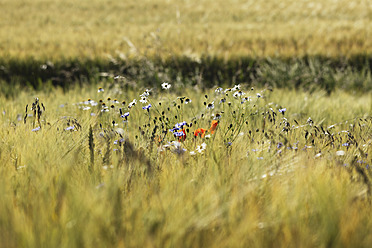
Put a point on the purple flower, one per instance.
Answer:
(35, 129)
(70, 128)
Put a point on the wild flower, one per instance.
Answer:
(100, 89)
(187, 100)
(132, 103)
(146, 93)
(200, 132)
(147, 107)
(210, 105)
(175, 147)
(86, 108)
(174, 129)
(125, 115)
(282, 110)
(222, 100)
(236, 87)
(310, 121)
(345, 144)
(238, 94)
(217, 116)
(35, 129)
(180, 125)
(201, 147)
(245, 99)
(279, 145)
(213, 126)
(340, 153)
(181, 135)
(166, 86)
(218, 90)
(70, 128)
(143, 99)
(258, 95)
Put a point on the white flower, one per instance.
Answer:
(246, 99)
(146, 93)
(132, 103)
(218, 90)
(143, 99)
(210, 105)
(236, 87)
(201, 148)
(100, 89)
(166, 86)
(238, 93)
(340, 153)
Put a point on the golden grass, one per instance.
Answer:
(89, 29)
(224, 197)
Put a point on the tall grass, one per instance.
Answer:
(267, 176)
(90, 29)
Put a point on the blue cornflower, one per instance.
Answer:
(282, 110)
(179, 134)
(70, 128)
(147, 107)
(125, 115)
(174, 129)
(180, 125)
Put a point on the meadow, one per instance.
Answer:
(183, 167)
(185, 123)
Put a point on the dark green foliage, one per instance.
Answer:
(309, 73)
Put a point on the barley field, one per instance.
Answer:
(185, 123)
(176, 167)
(48, 29)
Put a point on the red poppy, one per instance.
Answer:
(213, 126)
(183, 137)
(200, 132)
